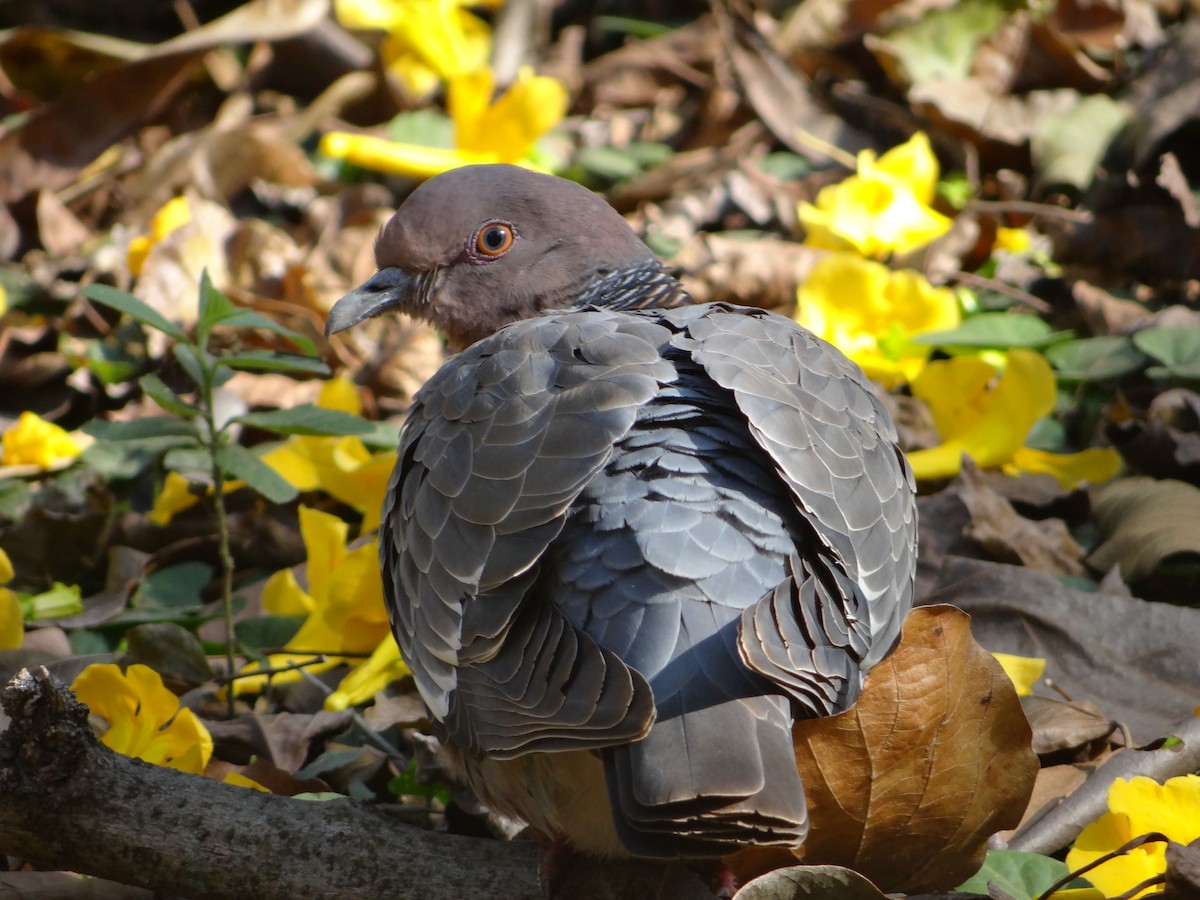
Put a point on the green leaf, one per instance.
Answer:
(426, 127)
(382, 436)
(1000, 331)
(111, 364)
(151, 427)
(306, 418)
(238, 462)
(135, 308)
(1095, 359)
(156, 389)
(941, 44)
(1022, 876)
(179, 586)
(1067, 148)
(194, 463)
(409, 783)
(267, 631)
(1178, 349)
(214, 307)
(269, 361)
(248, 318)
(190, 361)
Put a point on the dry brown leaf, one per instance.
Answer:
(1008, 537)
(1067, 725)
(801, 882)
(1144, 521)
(907, 785)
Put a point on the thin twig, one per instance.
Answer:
(1023, 297)
(1029, 208)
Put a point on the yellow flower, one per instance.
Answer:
(1138, 806)
(870, 312)
(35, 442)
(239, 780)
(428, 41)
(344, 601)
(12, 629)
(1023, 671)
(342, 467)
(143, 717)
(1012, 240)
(381, 668)
(173, 214)
(989, 419)
(503, 131)
(883, 208)
(177, 495)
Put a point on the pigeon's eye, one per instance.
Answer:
(494, 239)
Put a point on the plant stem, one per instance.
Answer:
(212, 445)
(226, 565)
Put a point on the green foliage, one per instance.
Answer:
(1095, 359)
(995, 331)
(194, 442)
(1178, 349)
(1022, 876)
(941, 44)
(408, 783)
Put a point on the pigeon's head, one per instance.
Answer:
(477, 248)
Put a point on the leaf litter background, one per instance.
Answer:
(1074, 121)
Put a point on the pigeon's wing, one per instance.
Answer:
(834, 446)
(497, 447)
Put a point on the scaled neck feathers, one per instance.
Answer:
(644, 285)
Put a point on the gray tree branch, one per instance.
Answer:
(68, 802)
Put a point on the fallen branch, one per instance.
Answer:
(68, 802)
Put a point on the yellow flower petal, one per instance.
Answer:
(172, 215)
(870, 313)
(883, 208)
(325, 542)
(12, 629)
(1013, 240)
(144, 718)
(383, 155)
(33, 441)
(913, 165)
(176, 496)
(975, 414)
(1138, 806)
(1172, 808)
(484, 132)
(340, 394)
(283, 596)
(381, 668)
(345, 595)
(1095, 465)
(239, 780)
(509, 127)
(6, 568)
(1023, 671)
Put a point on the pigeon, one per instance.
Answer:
(630, 540)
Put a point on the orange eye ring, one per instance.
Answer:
(494, 239)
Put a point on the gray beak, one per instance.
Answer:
(388, 289)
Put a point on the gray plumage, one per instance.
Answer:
(628, 541)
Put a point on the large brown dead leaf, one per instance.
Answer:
(907, 785)
(1144, 521)
(1134, 659)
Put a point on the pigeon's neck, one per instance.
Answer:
(645, 285)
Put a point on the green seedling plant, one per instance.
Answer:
(194, 438)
